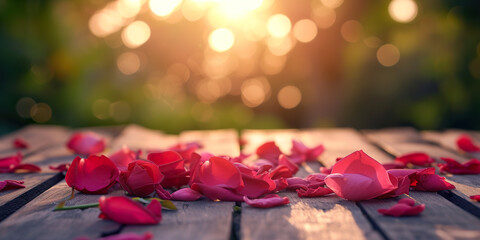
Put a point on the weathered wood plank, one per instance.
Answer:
(448, 139)
(466, 185)
(439, 214)
(202, 219)
(304, 218)
(64, 225)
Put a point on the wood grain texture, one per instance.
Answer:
(466, 185)
(37, 220)
(439, 216)
(202, 219)
(304, 218)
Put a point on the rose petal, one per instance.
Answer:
(217, 193)
(162, 193)
(61, 167)
(20, 143)
(285, 161)
(359, 177)
(475, 198)
(256, 186)
(313, 192)
(11, 184)
(86, 143)
(393, 165)
(454, 167)
(10, 162)
(269, 151)
(141, 178)
(416, 158)
(126, 211)
(423, 179)
(220, 172)
(92, 175)
(310, 154)
(123, 157)
(465, 143)
(269, 201)
(403, 208)
(186, 194)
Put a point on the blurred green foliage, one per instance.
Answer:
(48, 55)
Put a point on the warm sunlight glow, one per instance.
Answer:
(280, 46)
(332, 3)
(403, 11)
(305, 30)
(289, 97)
(105, 22)
(351, 31)
(164, 8)
(388, 55)
(192, 11)
(279, 25)
(221, 39)
(255, 91)
(129, 8)
(41, 112)
(135, 34)
(324, 17)
(128, 63)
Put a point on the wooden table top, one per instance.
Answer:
(27, 213)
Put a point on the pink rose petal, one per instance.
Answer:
(162, 193)
(86, 143)
(217, 193)
(404, 207)
(95, 175)
(269, 151)
(269, 201)
(61, 167)
(123, 157)
(475, 198)
(454, 167)
(20, 143)
(220, 172)
(416, 158)
(186, 194)
(11, 184)
(313, 192)
(126, 211)
(310, 154)
(465, 143)
(256, 186)
(359, 177)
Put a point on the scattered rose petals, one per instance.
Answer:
(95, 175)
(162, 193)
(141, 178)
(86, 143)
(13, 164)
(217, 193)
(465, 143)
(186, 194)
(423, 179)
(393, 165)
(126, 211)
(269, 151)
(123, 157)
(10, 184)
(268, 201)
(404, 207)
(310, 154)
(416, 158)
(172, 165)
(220, 172)
(20, 143)
(61, 167)
(359, 177)
(256, 185)
(313, 192)
(475, 198)
(454, 167)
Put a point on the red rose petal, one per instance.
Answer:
(269, 151)
(186, 194)
(217, 193)
(141, 178)
(313, 192)
(465, 143)
(11, 184)
(20, 143)
(416, 158)
(86, 143)
(454, 167)
(96, 174)
(272, 200)
(220, 172)
(359, 177)
(126, 211)
(404, 207)
(475, 198)
(61, 167)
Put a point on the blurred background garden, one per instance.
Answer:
(202, 64)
